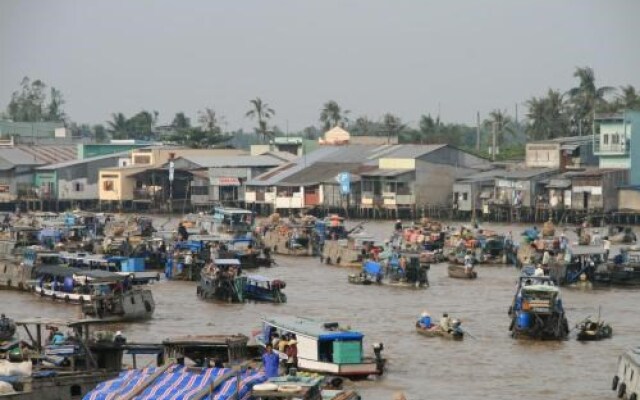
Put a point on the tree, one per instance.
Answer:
(501, 125)
(118, 126)
(628, 99)
(392, 125)
(363, 126)
(29, 104)
(311, 132)
(332, 115)
(181, 122)
(587, 98)
(100, 133)
(429, 129)
(262, 113)
(548, 116)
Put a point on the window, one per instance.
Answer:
(605, 139)
(199, 190)
(141, 159)
(78, 187)
(615, 139)
(108, 186)
(465, 196)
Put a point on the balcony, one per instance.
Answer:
(611, 149)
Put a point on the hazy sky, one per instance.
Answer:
(371, 56)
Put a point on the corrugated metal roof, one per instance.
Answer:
(15, 156)
(234, 161)
(482, 176)
(526, 173)
(51, 154)
(321, 172)
(386, 172)
(83, 161)
(412, 151)
(283, 171)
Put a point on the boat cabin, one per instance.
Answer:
(627, 379)
(324, 347)
(261, 288)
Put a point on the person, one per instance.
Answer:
(270, 361)
(445, 322)
(546, 257)
(425, 320)
(607, 248)
(563, 242)
(292, 355)
(539, 271)
(182, 232)
(468, 262)
(119, 338)
(4, 322)
(275, 339)
(282, 345)
(58, 338)
(596, 239)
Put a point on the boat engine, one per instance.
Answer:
(377, 351)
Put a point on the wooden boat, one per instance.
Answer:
(260, 288)
(459, 272)
(436, 331)
(589, 329)
(325, 348)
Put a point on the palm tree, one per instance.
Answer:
(548, 116)
(587, 98)
(119, 126)
(363, 126)
(392, 125)
(262, 112)
(209, 120)
(502, 125)
(628, 99)
(332, 115)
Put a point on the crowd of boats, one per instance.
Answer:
(107, 264)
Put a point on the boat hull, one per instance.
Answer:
(459, 272)
(360, 370)
(453, 335)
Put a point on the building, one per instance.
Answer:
(74, 182)
(34, 132)
(521, 188)
(561, 153)
(146, 180)
(221, 180)
(339, 136)
(89, 150)
(613, 140)
(389, 177)
(596, 189)
(475, 192)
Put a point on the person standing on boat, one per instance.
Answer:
(468, 262)
(292, 355)
(270, 362)
(398, 226)
(607, 248)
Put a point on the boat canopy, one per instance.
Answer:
(259, 278)
(227, 261)
(58, 270)
(312, 328)
(540, 288)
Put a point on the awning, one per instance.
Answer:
(486, 194)
(559, 183)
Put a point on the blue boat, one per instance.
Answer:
(536, 311)
(261, 288)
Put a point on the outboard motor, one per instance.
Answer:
(377, 351)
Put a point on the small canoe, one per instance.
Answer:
(459, 272)
(437, 332)
(597, 332)
(360, 280)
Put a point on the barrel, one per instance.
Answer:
(68, 284)
(524, 320)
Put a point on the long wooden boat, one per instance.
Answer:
(459, 272)
(436, 331)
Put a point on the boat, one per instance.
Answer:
(625, 381)
(303, 387)
(248, 251)
(302, 238)
(260, 288)
(590, 329)
(7, 328)
(460, 272)
(414, 274)
(325, 347)
(102, 294)
(219, 281)
(623, 271)
(371, 273)
(349, 252)
(437, 331)
(536, 311)
(68, 370)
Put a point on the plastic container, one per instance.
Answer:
(347, 352)
(524, 320)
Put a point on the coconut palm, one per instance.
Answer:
(333, 115)
(547, 116)
(262, 112)
(587, 98)
(502, 125)
(628, 99)
(119, 126)
(392, 125)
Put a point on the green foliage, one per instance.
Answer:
(333, 115)
(139, 127)
(549, 116)
(29, 104)
(262, 112)
(100, 133)
(204, 136)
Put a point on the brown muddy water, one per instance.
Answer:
(491, 366)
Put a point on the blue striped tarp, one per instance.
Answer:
(176, 383)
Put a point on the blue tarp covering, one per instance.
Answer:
(176, 383)
(372, 268)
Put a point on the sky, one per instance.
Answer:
(408, 57)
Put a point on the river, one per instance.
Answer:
(490, 365)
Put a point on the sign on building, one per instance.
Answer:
(344, 179)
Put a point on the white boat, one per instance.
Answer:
(626, 382)
(325, 347)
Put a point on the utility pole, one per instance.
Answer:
(478, 131)
(493, 142)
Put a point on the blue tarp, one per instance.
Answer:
(176, 383)
(372, 268)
